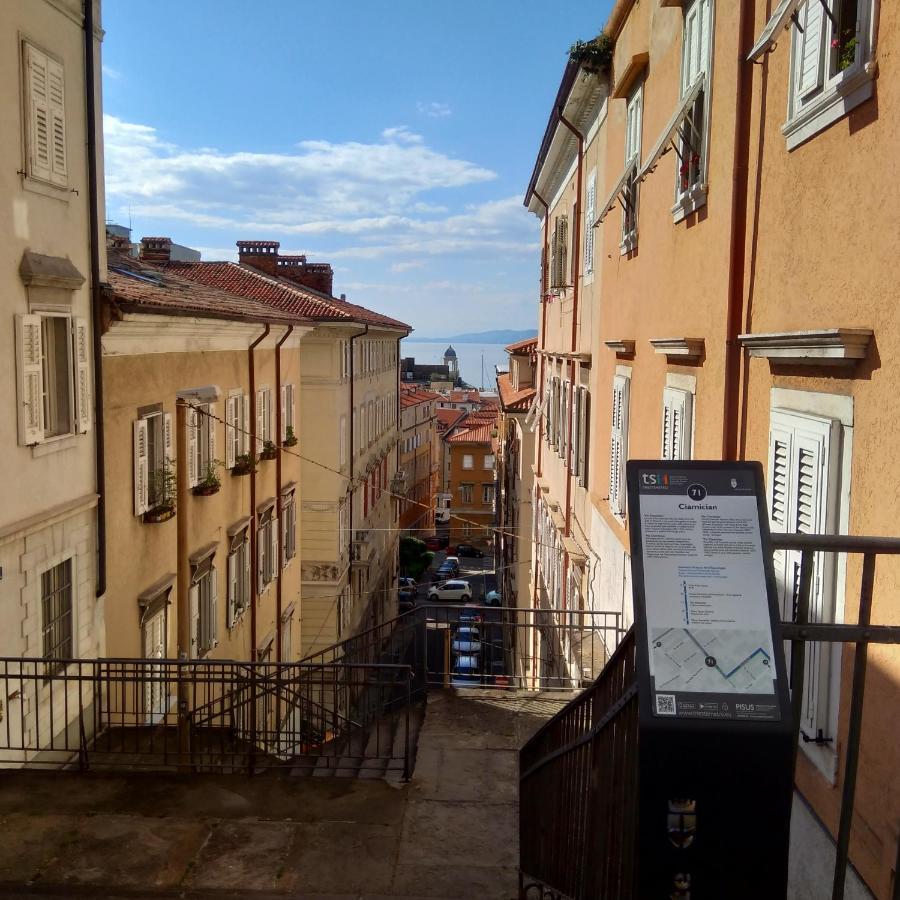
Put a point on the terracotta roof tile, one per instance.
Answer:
(522, 348)
(513, 400)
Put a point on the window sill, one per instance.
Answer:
(832, 104)
(46, 189)
(689, 202)
(628, 244)
(824, 758)
(54, 445)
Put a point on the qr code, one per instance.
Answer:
(665, 704)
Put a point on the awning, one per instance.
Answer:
(778, 20)
(668, 134)
(614, 194)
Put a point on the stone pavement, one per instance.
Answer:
(451, 832)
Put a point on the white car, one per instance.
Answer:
(451, 590)
(467, 640)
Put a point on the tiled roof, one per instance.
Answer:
(448, 417)
(523, 348)
(411, 396)
(478, 434)
(511, 399)
(280, 293)
(140, 287)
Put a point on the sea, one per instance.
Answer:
(469, 356)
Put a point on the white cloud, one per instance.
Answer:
(434, 110)
(110, 72)
(406, 266)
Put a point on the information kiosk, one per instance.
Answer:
(715, 736)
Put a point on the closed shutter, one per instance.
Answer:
(193, 422)
(233, 588)
(562, 234)
(260, 419)
(212, 618)
(141, 467)
(589, 224)
(56, 86)
(585, 432)
(82, 356)
(574, 457)
(39, 149)
(246, 560)
(261, 540)
(194, 595)
(231, 431)
(284, 418)
(30, 376)
(810, 57)
(244, 403)
(273, 535)
(618, 450)
(554, 244)
(212, 424)
(167, 438)
(676, 424)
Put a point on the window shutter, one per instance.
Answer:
(589, 225)
(260, 419)
(285, 537)
(141, 468)
(554, 255)
(213, 617)
(193, 423)
(56, 84)
(194, 595)
(244, 402)
(585, 437)
(36, 64)
(676, 427)
(273, 534)
(618, 445)
(212, 424)
(810, 57)
(261, 538)
(81, 356)
(574, 455)
(284, 421)
(30, 376)
(245, 574)
(233, 588)
(230, 431)
(167, 437)
(562, 253)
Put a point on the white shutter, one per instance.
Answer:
(260, 416)
(618, 451)
(810, 57)
(676, 424)
(30, 376)
(261, 538)
(562, 232)
(141, 467)
(56, 85)
(39, 113)
(212, 622)
(284, 421)
(167, 437)
(273, 534)
(245, 574)
(585, 437)
(589, 224)
(193, 422)
(212, 423)
(194, 595)
(82, 356)
(233, 588)
(245, 401)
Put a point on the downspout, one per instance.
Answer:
(254, 537)
(351, 453)
(736, 261)
(278, 504)
(96, 300)
(540, 385)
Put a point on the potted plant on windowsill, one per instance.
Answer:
(162, 490)
(290, 439)
(595, 55)
(269, 450)
(244, 464)
(210, 482)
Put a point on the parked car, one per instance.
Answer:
(444, 571)
(492, 598)
(466, 640)
(451, 561)
(466, 671)
(450, 590)
(407, 587)
(469, 614)
(434, 542)
(469, 550)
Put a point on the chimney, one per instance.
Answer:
(156, 249)
(118, 243)
(318, 276)
(262, 255)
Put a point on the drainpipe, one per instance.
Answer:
(254, 539)
(352, 451)
(278, 506)
(540, 380)
(736, 260)
(96, 300)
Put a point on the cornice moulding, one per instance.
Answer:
(622, 346)
(679, 349)
(826, 346)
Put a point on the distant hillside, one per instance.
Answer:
(501, 336)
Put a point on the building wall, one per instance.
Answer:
(476, 511)
(418, 428)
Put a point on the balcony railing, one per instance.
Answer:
(578, 775)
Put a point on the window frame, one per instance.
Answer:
(238, 570)
(54, 662)
(633, 135)
(677, 424)
(468, 461)
(54, 173)
(619, 443)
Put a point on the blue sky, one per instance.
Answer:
(394, 140)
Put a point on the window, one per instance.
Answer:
(559, 249)
(487, 493)
(465, 493)
(203, 599)
(287, 628)
(154, 640)
(238, 573)
(633, 122)
(237, 429)
(343, 440)
(589, 213)
(803, 489)
(263, 417)
(267, 548)
(57, 592)
(342, 528)
(288, 525)
(53, 377)
(677, 424)
(618, 447)
(691, 144)
(564, 395)
(288, 424)
(45, 105)
(201, 442)
(154, 467)
(488, 461)
(468, 461)
(578, 460)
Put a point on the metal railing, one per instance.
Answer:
(202, 715)
(578, 774)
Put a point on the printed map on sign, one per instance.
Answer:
(711, 661)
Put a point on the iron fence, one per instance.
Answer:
(578, 774)
(202, 715)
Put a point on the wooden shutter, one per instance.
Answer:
(245, 574)
(273, 535)
(194, 597)
(245, 401)
(285, 537)
(141, 467)
(231, 432)
(562, 233)
(39, 149)
(589, 224)
(284, 421)
(260, 418)
(57, 106)
(810, 57)
(212, 424)
(676, 424)
(82, 363)
(212, 617)
(167, 438)
(261, 539)
(585, 432)
(193, 423)
(618, 450)
(30, 377)
(233, 588)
